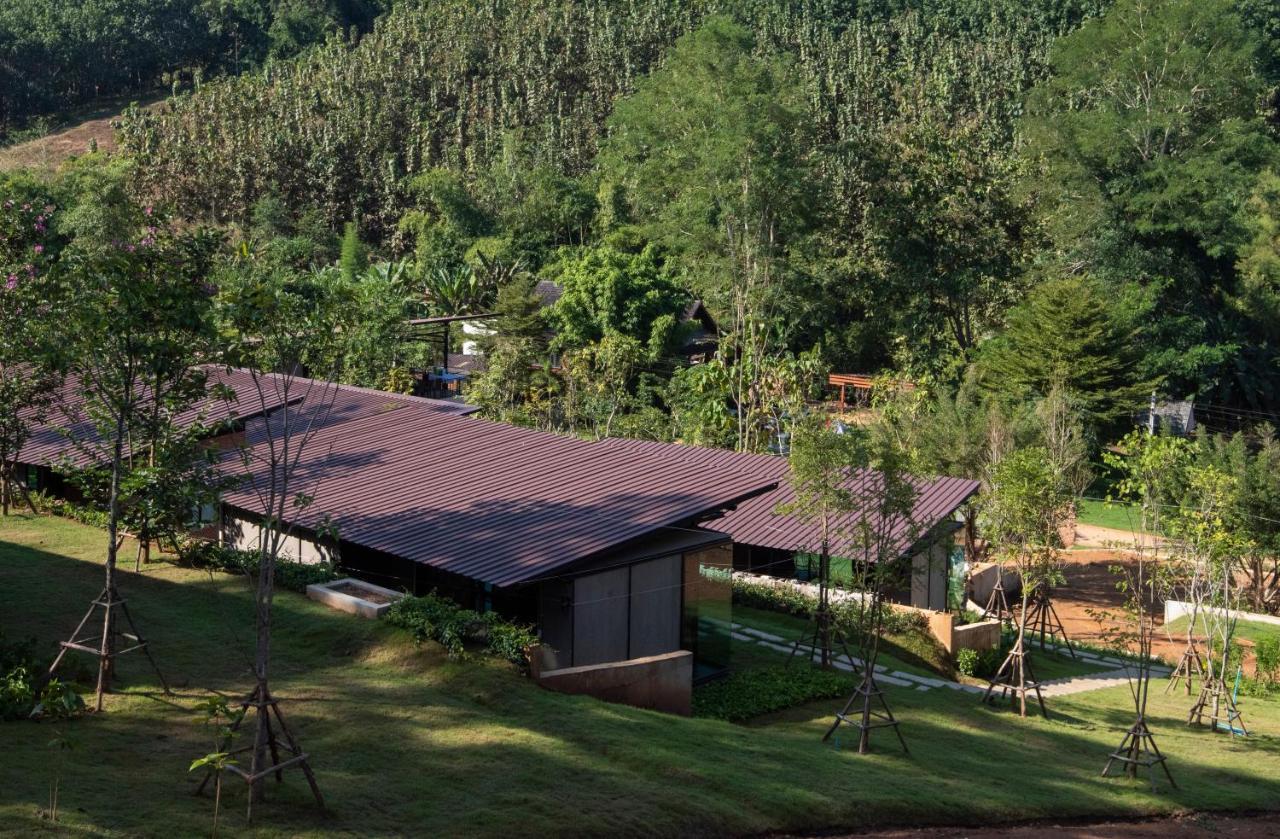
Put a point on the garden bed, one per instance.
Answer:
(354, 596)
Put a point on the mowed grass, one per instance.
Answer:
(1251, 631)
(1117, 516)
(407, 743)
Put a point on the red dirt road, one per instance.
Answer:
(1194, 826)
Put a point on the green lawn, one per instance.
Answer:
(1249, 630)
(405, 742)
(1118, 516)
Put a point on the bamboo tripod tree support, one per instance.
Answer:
(1043, 619)
(1016, 679)
(816, 640)
(1218, 704)
(875, 711)
(260, 768)
(998, 602)
(107, 649)
(1138, 748)
(1190, 666)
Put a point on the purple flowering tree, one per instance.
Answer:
(30, 363)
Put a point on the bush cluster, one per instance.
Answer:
(436, 618)
(750, 693)
(792, 601)
(20, 696)
(294, 576)
(82, 513)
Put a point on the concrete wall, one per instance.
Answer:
(1174, 609)
(982, 579)
(243, 535)
(984, 635)
(661, 682)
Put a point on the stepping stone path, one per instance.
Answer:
(1113, 670)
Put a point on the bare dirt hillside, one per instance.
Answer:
(53, 149)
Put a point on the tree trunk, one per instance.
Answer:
(105, 661)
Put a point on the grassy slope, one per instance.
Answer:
(1248, 630)
(1115, 516)
(405, 742)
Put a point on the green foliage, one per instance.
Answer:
(761, 690)
(20, 694)
(849, 614)
(435, 618)
(1266, 656)
(1023, 512)
(293, 576)
(1064, 336)
(967, 662)
(607, 292)
(54, 56)
(710, 150)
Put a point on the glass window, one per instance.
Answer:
(708, 609)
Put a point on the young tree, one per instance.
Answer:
(823, 471)
(277, 332)
(139, 317)
(1205, 551)
(867, 480)
(1026, 506)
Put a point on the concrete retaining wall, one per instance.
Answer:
(661, 682)
(984, 635)
(1174, 609)
(982, 579)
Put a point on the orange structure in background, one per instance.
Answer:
(861, 385)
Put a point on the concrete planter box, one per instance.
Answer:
(354, 596)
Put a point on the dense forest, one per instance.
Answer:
(57, 56)
(992, 195)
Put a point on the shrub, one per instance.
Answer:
(750, 693)
(785, 599)
(63, 508)
(436, 618)
(19, 677)
(967, 662)
(793, 601)
(294, 576)
(1266, 656)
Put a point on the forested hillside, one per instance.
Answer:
(56, 56)
(1003, 196)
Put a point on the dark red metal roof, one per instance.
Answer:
(757, 521)
(51, 442)
(489, 501)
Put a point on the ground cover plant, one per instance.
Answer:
(538, 760)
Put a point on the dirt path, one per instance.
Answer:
(1194, 826)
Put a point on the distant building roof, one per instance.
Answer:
(757, 521)
(1177, 417)
(492, 502)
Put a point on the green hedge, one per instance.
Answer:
(435, 618)
(294, 576)
(792, 601)
(750, 693)
(63, 508)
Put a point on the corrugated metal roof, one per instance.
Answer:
(493, 502)
(757, 522)
(51, 442)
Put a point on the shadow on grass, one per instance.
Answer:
(404, 741)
